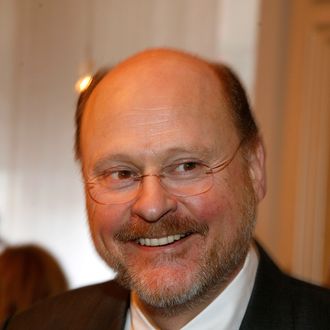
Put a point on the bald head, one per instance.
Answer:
(155, 77)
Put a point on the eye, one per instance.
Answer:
(117, 178)
(122, 174)
(187, 166)
(186, 170)
(119, 174)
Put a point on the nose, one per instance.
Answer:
(153, 201)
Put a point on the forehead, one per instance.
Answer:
(155, 103)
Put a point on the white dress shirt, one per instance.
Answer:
(226, 312)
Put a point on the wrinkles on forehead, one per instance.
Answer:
(150, 131)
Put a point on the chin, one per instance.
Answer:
(162, 287)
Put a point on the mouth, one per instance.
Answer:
(160, 241)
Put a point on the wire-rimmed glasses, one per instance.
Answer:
(121, 184)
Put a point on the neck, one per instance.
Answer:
(177, 316)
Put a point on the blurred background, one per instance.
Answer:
(279, 48)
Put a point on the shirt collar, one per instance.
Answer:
(225, 312)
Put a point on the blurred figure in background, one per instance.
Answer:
(28, 273)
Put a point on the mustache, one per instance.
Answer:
(169, 225)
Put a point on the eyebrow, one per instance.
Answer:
(106, 162)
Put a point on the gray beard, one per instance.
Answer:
(215, 270)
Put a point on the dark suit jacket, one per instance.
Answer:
(277, 302)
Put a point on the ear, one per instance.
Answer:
(257, 169)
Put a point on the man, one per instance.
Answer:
(173, 167)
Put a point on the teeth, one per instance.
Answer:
(160, 241)
(171, 239)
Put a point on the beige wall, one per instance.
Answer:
(293, 104)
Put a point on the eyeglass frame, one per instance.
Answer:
(139, 178)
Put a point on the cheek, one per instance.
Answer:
(219, 208)
(105, 219)
(210, 207)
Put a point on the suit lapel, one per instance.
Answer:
(270, 305)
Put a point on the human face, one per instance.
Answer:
(147, 115)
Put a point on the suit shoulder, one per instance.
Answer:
(82, 308)
(279, 301)
(270, 275)
(310, 305)
(309, 294)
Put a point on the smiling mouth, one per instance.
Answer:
(160, 241)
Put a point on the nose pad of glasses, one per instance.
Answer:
(153, 200)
